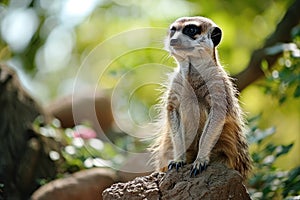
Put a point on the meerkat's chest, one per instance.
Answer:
(200, 88)
(191, 87)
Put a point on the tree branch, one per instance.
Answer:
(282, 34)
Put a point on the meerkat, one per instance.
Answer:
(202, 121)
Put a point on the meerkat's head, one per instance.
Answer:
(191, 36)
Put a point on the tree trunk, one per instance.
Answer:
(24, 154)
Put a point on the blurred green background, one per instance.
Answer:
(47, 41)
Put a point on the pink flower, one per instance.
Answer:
(84, 132)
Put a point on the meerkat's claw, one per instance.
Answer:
(194, 172)
(198, 167)
(203, 167)
(176, 165)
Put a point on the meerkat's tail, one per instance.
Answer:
(243, 161)
(234, 145)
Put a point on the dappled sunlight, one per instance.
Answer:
(18, 21)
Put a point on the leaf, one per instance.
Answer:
(282, 99)
(297, 92)
(291, 185)
(258, 135)
(271, 148)
(283, 149)
(255, 118)
(264, 66)
(269, 160)
(293, 174)
(256, 157)
(279, 48)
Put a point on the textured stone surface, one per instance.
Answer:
(82, 185)
(146, 187)
(217, 182)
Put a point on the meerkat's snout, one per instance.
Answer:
(175, 42)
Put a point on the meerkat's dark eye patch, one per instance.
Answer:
(172, 30)
(191, 30)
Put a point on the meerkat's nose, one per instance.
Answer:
(175, 42)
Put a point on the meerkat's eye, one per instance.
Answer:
(172, 30)
(191, 30)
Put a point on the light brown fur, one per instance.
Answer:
(201, 120)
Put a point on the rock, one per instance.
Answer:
(82, 185)
(90, 107)
(217, 182)
(145, 187)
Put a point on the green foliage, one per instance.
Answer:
(80, 147)
(269, 181)
(283, 81)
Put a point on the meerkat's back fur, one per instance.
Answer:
(201, 120)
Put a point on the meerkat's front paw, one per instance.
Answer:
(176, 164)
(199, 165)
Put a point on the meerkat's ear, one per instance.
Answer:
(216, 35)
